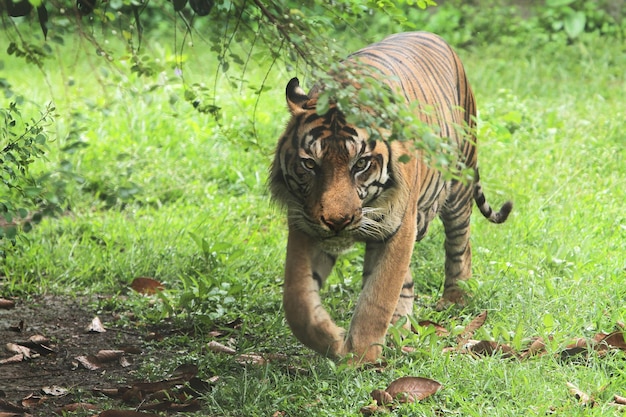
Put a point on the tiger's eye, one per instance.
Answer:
(362, 164)
(308, 163)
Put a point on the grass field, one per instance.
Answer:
(166, 192)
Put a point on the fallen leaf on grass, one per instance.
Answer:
(39, 343)
(32, 400)
(407, 389)
(468, 332)
(71, 408)
(412, 389)
(147, 286)
(6, 304)
(13, 359)
(178, 393)
(95, 326)
(217, 347)
(184, 372)
(180, 407)
(601, 343)
(244, 358)
(488, 348)
(54, 391)
(537, 347)
(381, 397)
(20, 350)
(95, 362)
(582, 397)
(88, 362)
(125, 413)
(439, 329)
(619, 399)
(613, 340)
(109, 355)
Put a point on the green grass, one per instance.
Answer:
(167, 193)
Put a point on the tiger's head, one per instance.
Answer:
(337, 184)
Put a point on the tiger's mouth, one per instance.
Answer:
(336, 245)
(331, 241)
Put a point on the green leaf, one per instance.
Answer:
(558, 3)
(179, 5)
(574, 24)
(323, 103)
(42, 14)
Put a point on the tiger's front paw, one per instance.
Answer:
(363, 353)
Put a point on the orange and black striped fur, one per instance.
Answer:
(339, 188)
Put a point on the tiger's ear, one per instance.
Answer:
(296, 97)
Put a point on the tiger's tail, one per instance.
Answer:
(485, 208)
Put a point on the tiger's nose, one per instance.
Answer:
(337, 224)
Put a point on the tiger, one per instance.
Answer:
(341, 185)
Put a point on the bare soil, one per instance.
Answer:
(56, 374)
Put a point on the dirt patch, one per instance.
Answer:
(56, 373)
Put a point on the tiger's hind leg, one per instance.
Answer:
(455, 215)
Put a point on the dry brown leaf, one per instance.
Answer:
(108, 392)
(184, 372)
(6, 304)
(371, 409)
(537, 347)
(408, 389)
(381, 397)
(95, 326)
(88, 362)
(125, 413)
(217, 347)
(54, 391)
(146, 285)
(582, 397)
(581, 342)
(467, 333)
(32, 400)
(21, 350)
(439, 329)
(250, 359)
(38, 339)
(487, 348)
(38, 343)
(189, 406)
(9, 414)
(619, 399)
(614, 340)
(13, 359)
(573, 352)
(108, 355)
(71, 408)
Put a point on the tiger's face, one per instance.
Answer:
(331, 176)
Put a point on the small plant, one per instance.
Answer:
(24, 197)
